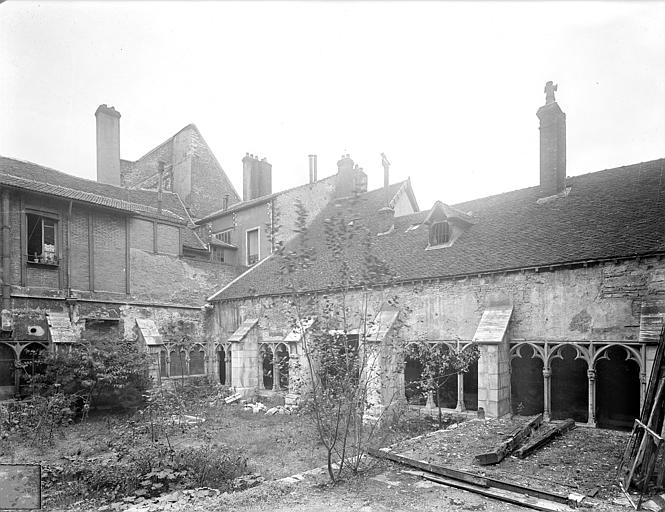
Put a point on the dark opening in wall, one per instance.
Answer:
(266, 366)
(617, 389)
(7, 366)
(570, 386)
(471, 388)
(221, 361)
(526, 382)
(412, 371)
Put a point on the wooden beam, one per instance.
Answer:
(514, 439)
(547, 435)
(469, 478)
(503, 495)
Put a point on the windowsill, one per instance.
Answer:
(42, 265)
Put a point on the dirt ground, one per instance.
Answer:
(583, 460)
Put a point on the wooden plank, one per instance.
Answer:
(432, 468)
(516, 438)
(467, 477)
(547, 435)
(503, 495)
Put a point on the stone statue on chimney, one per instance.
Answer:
(550, 87)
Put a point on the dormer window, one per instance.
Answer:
(439, 233)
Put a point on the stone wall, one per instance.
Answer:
(600, 302)
(162, 278)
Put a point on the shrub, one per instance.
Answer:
(111, 371)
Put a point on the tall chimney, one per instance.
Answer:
(265, 178)
(250, 177)
(386, 170)
(312, 168)
(108, 145)
(552, 144)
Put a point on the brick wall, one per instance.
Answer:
(209, 181)
(168, 239)
(109, 245)
(80, 257)
(141, 234)
(197, 177)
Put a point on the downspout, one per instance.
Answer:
(6, 297)
(68, 248)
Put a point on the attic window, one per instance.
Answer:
(439, 233)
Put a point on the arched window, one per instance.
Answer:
(197, 361)
(439, 233)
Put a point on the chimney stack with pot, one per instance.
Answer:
(552, 144)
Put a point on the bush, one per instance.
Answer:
(112, 371)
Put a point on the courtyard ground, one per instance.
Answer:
(583, 460)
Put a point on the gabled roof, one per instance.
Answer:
(135, 174)
(253, 202)
(608, 214)
(30, 177)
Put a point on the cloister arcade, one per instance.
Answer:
(13, 375)
(458, 392)
(600, 384)
(274, 360)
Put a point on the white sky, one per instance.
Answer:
(447, 90)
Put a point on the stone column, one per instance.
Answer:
(547, 399)
(591, 375)
(275, 372)
(461, 407)
(229, 366)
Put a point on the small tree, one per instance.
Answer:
(439, 362)
(344, 370)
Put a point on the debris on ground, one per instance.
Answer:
(255, 407)
(233, 398)
(281, 409)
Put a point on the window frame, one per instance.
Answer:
(41, 259)
(435, 239)
(258, 245)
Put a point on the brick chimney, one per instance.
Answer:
(108, 145)
(350, 178)
(256, 177)
(552, 144)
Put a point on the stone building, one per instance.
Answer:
(560, 286)
(82, 258)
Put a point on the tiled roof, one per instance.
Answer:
(43, 180)
(607, 214)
